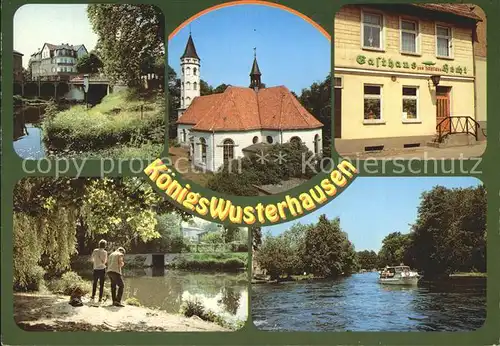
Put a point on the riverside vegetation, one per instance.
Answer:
(55, 220)
(448, 238)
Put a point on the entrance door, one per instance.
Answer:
(338, 113)
(443, 109)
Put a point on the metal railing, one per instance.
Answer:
(458, 124)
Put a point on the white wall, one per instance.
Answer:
(180, 128)
(306, 136)
(243, 139)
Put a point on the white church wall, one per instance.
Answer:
(180, 137)
(197, 159)
(241, 140)
(272, 133)
(190, 82)
(306, 136)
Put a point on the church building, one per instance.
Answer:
(221, 127)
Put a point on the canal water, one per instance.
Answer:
(360, 303)
(28, 143)
(223, 293)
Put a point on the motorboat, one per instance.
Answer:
(398, 275)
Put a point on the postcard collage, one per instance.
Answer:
(250, 172)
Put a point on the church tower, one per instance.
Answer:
(190, 76)
(255, 82)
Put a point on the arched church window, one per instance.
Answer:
(194, 71)
(195, 86)
(316, 144)
(182, 85)
(203, 144)
(184, 136)
(188, 71)
(182, 101)
(228, 150)
(255, 140)
(270, 139)
(183, 70)
(188, 86)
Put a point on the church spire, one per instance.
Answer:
(255, 74)
(190, 51)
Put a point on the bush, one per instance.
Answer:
(33, 280)
(68, 282)
(194, 307)
(118, 119)
(133, 301)
(239, 247)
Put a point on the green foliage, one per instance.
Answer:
(317, 99)
(51, 214)
(328, 252)
(212, 238)
(367, 259)
(117, 120)
(226, 262)
(254, 172)
(68, 283)
(194, 307)
(256, 238)
(133, 301)
(449, 234)
(394, 249)
(128, 37)
(321, 249)
(89, 63)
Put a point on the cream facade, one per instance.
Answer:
(384, 60)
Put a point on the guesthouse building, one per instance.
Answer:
(404, 73)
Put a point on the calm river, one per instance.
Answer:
(28, 143)
(360, 303)
(223, 293)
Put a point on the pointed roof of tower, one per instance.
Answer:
(255, 68)
(190, 51)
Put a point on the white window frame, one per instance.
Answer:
(382, 29)
(379, 97)
(417, 98)
(416, 32)
(450, 40)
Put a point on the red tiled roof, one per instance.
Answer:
(242, 109)
(463, 10)
(198, 108)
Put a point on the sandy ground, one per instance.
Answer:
(37, 312)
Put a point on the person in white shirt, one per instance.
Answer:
(116, 263)
(99, 258)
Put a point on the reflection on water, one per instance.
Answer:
(28, 142)
(360, 303)
(222, 293)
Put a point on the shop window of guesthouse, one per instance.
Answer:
(410, 103)
(372, 102)
(372, 30)
(443, 41)
(409, 36)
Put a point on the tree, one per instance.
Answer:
(317, 100)
(26, 74)
(51, 216)
(328, 252)
(128, 35)
(256, 238)
(394, 249)
(450, 231)
(89, 63)
(367, 259)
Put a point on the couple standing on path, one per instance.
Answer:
(115, 263)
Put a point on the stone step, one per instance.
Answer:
(454, 140)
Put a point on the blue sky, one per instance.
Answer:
(36, 24)
(371, 208)
(290, 51)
